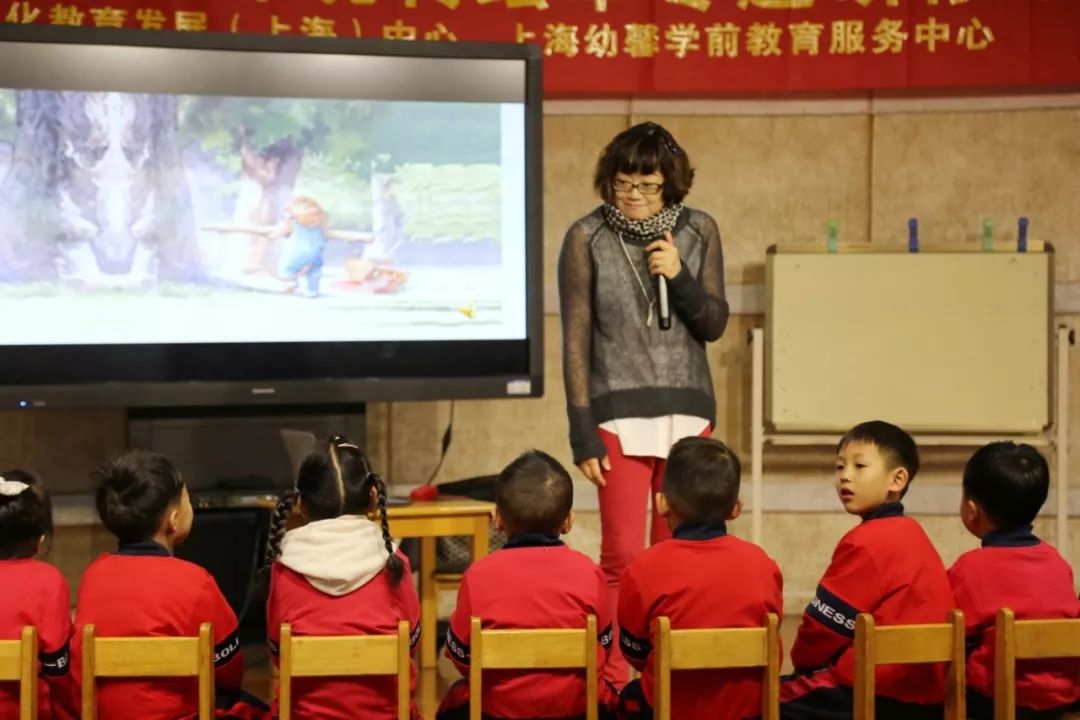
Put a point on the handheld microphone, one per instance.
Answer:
(662, 301)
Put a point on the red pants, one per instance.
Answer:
(623, 500)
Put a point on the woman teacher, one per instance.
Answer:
(632, 388)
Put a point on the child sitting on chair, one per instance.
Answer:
(35, 594)
(339, 574)
(701, 578)
(1005, 485)
(534, 581)
(885, 566)
(142, 590)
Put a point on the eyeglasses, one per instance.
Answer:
(645, 188)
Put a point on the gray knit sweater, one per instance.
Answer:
(613, 365)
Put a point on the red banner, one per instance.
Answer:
(670, 47)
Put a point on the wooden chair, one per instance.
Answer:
(533, 650)
(1026, 640)
(910, 645)
(19, 662)
(717, 649)
(343, 656)
(148, 657)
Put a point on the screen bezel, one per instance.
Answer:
(290, 373)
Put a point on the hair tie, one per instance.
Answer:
(11, 488)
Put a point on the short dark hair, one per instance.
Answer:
(24, 518)
(534, 494)
(1009, 482)
(134, 492)
(894, 443)
(644, 149)
(701, 479)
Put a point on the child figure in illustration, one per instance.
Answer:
(305, 231)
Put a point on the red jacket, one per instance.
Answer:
(141, 590)
(534, 581)
(331, 579)
(35, 593)
(701, 578)
(885, 566)
(1018, 571)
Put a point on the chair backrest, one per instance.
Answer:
(1026, 640)
(910, 645)
(19, 662)
(717, 649)
(148, 657)
(342, 656)
(533, 650)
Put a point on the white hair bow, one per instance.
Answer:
(11, 488)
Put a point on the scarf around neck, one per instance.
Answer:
(642, 231)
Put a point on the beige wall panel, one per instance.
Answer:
(62, 445)
(572, 145)
(951, 170)
(74, 548)
(16, 432)
(776, 179)
(487, 433)
(731, 362)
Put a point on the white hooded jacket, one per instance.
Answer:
(336, 556)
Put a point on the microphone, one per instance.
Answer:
(662, 298)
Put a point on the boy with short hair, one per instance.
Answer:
(142, 590)
(1005, 485)
(534, 581)
(885, 566)
(701, 578)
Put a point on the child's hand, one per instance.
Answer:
(591, 469)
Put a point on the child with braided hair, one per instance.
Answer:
(339, 574)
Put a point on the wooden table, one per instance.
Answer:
(428, 521)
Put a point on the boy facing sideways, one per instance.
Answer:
(885, 566)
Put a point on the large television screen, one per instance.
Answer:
(206, 219)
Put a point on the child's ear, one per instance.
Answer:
(497, 521)
(42, 543)
(737, 510)
(662, 507)
(972, 516)
(568, 524)
(898, 481)
(172, 520)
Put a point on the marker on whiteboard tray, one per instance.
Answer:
(913, 235)
(1021, 235)
(833, 245)
(988, 235)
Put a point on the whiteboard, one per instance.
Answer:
(934, 342)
